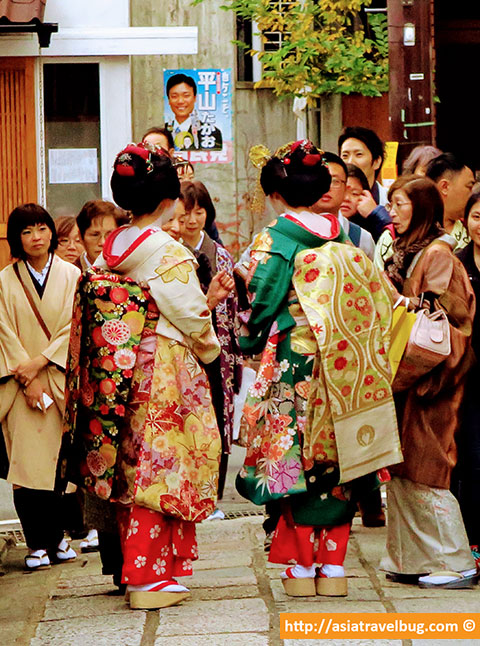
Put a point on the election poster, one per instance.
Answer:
(198, 113)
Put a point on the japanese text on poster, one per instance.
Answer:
(198, 113)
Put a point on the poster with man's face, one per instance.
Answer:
(198, 113)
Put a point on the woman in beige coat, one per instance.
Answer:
(36, 298)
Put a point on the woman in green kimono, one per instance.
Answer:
(323, 374)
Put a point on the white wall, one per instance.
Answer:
(88, 13)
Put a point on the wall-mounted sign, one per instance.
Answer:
(198, 113)
(72, 166)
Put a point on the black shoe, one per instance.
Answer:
(409, 579)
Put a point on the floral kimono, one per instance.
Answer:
(170, 446)
(224, 373)
(305, 397)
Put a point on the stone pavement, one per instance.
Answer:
(236, 597)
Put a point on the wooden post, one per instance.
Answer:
(412, 111)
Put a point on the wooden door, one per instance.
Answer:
(412, 110)
(18, 158)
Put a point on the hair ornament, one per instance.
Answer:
(259, 155)
(123, 162)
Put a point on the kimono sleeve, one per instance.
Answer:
(269, 287)
(179, 298)
(12, 351)
(57, 349)
(446, 277)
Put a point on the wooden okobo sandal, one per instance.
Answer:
(331, 586)
(301, 587)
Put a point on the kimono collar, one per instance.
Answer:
(303, 222)
(113, 260)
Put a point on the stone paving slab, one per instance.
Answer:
(125, 629)
(329, 604)
(404, 591)
(92, 606)
(83, 591)
(228, 592)
(220, 578)
(359, 589)
(212, 617)
(237, 557)
(229, 639)
(441, 605)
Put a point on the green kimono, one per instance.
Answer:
(280, 412)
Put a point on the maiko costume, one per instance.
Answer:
(160, 462)
(320, 418)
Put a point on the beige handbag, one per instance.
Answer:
(427, 346)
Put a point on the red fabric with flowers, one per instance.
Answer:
(308, 545)
(110, 314)
(155, 547)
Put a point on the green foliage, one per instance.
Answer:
(324, 47)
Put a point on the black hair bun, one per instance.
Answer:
(298, 173)
(143, 176)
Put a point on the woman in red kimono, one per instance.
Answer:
(165, 469)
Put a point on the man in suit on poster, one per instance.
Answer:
(189, 133)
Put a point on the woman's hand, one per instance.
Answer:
(34, 394)
(220, 287)
(27, 371)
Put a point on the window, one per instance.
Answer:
(72, 135)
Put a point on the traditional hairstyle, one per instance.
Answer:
(420, 156)
(161, 131)
(99, 209)
(444, 164)
(176, 79)
(63, 225)
(357, 173)
(297, 172)
(195, 194)
(427, 208)
(368, 137)
(23, 216)
(143, 176)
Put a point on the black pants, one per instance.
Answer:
(110, 548)
(466, 475)
(40, 514)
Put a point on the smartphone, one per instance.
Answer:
(47, 401)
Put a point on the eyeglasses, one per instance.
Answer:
(336, 182)
(396, 205)
(64, 242)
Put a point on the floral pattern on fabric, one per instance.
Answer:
(170, 448)
(348, 305)
(274, 415)
(308, 545)
(230, 359)
(155, 547)
(109, 316)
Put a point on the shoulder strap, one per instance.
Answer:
(32, 303)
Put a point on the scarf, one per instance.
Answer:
(397, 265)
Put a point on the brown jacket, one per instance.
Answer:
(428, 413)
